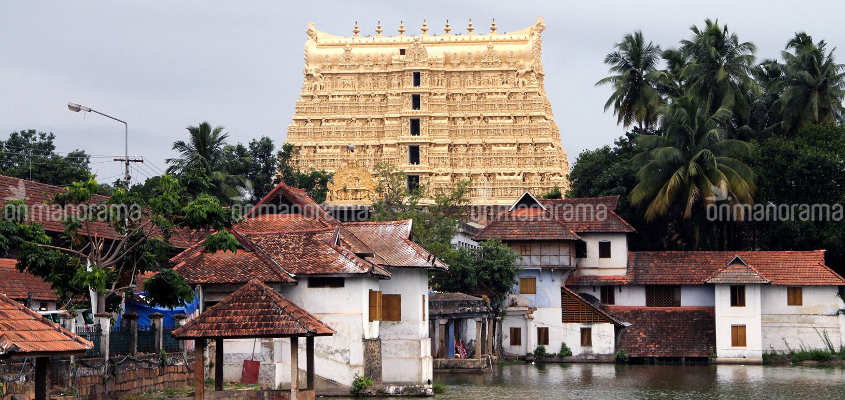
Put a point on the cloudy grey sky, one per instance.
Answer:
(164, 65)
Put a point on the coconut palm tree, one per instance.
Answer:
(633, 68)
(691, 164)
(202, 152)
(719, 68)
(814, 85)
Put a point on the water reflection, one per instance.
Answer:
(587, 381)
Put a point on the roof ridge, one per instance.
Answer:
(261, 254)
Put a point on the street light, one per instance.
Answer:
(78, 107)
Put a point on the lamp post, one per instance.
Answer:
(78, 107)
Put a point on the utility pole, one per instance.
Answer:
(125, 159)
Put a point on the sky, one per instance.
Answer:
(165, 65)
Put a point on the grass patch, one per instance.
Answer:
(164, 394)
(439, 388)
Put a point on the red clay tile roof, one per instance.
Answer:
(311, 252)
(666, 331)
(530, 224)
(197, 266)
(279, 223)
(253, 311)
(390, 242)
(737, 273)
(38, 197)
(18, 285)
(560, 219)
(696, 267)
(26, 333)
(594, 280)
(284, 199)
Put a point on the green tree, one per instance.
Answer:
(718, 73)
(633, 68)
(83, 258)
(692, 164)
(29, 154)
(804, 169)
(814, 84)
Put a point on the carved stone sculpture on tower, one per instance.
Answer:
(438, 107)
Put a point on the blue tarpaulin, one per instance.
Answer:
(144, 311)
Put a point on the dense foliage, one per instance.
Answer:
(32, 155)
(723, 130)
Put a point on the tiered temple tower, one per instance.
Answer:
(441, 108)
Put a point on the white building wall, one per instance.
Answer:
(788, 327)
(405, 345)
(339, 357)
(698, 295)
(593, 265)
(603, 338)
(624, 295)
(516, 319)
(727, 316)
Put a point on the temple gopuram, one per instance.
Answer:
(440, 107)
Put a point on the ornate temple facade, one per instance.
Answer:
(440, 107)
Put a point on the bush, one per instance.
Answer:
(540, 353)
(621, 356)
(361, 383)
(439, 388)
(564, 350)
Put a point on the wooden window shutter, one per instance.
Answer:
(586, 337)
(375, 305)
(737, 335)
(794, 296)
(543, 336)
(608, 296)
(527, 285)
(391, 307)
(516, 336)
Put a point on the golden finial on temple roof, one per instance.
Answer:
(493, 26)
(378, 28)
(401, 28)
(447, 28)
(424, 28)
(470, 28)
(355, 30)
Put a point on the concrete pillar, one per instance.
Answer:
(157, 322)
(41, 377)
(104, 321)
(199, 369)
(218, 364)
(131, 319)
(309, 362)
(441, 340)
(450, 349)
(478, 338)
(181, 319)
(294, 367)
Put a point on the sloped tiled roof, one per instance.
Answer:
(18, 285)
(666, 331)
(596, 280)
(253, 311)
(737, 273)
(556, 219)
(311, 252)
(588, 214)
(284, 199)
(219, 267)
(575, 309)
(526, 224)
(389, 242)
(26, 333)
(279, 223)
(696, 267)
(38, 197)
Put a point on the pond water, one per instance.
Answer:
(610, 381)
